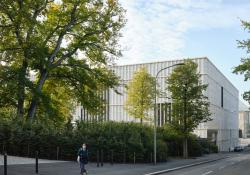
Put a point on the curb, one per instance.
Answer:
(185, 166)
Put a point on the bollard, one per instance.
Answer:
(5, 163)
(36, 162)
(124, 157)
(101, 157)
(112, 157)
(28, 150)
(57, 153)
(151, 158)
(166, 157)
(134, 157)
(97, 157)
(3, 148)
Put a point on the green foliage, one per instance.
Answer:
(57, 105)
(23, 138)
(170, 133)
(70, 41)
(244, 67)
(190, 105)
(140, 91)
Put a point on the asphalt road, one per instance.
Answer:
(238, 164)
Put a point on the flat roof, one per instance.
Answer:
(163, 61)
(179, 60)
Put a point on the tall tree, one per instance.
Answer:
(190, 106)
(69, 39)
(244, 67)
(140, 91)
(57, 102)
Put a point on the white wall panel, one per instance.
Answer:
(225, 120)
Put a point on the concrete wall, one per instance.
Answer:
(225, 119)
(244, 123)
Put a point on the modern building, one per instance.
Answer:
(244, 121)
(223, 97)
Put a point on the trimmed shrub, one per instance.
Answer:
(126, 141)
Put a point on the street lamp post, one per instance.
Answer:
(155, 107)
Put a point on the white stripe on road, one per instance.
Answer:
(207, 172)
(186, 166)
(222, 167)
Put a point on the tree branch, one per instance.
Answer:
(11, 49)
(62, 34)
(34, 16)
(63, 57)
(3, 26)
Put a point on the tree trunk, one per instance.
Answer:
(185, 148)
(21, 89)
(33, 105)
(20, 104)
(185, 144)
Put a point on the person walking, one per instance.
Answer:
(82, 158)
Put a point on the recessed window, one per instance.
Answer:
(240, 133)
(222, 97)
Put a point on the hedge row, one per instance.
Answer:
(122, 142)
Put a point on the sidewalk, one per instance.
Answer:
(14, 160)
(72, 168)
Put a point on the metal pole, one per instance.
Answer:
(155, 122)
(36, 162)
(155, 108)
(102, 157)
(5, 163)
(112, 157)
(230, 138)
(134, 157)
(97, 157)
(151, 157)
(124, 157)
(28, 150)
(57, 153)
(3, 148)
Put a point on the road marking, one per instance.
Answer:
(186, 166)
(222, 167)
(207, 172)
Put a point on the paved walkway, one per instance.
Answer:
(14, 160)
(72, 168)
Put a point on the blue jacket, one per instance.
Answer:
(83, 154)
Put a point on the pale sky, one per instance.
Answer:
(159, 30)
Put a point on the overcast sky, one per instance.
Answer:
(170, 29)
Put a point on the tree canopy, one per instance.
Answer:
(244, 67)
(190, 105)
(140, 94)
(68, 41)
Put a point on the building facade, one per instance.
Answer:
(223, 97)
(244, 121)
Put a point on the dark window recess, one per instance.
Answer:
(222, 97)
(212, 135)
(240, 133)
(163, 113)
